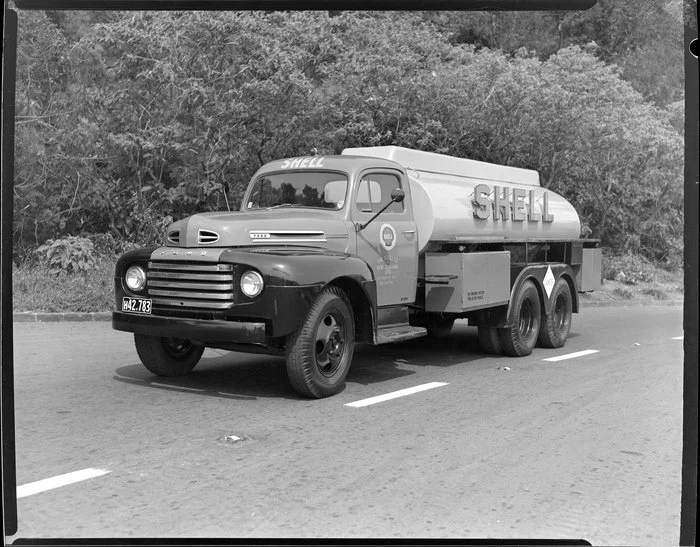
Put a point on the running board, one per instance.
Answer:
(398, 333)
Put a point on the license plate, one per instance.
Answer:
(137, 305)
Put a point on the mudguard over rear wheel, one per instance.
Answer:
(320, 351)
(167, 356)
(556, 326)
(520, 337)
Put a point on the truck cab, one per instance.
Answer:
(350, 188)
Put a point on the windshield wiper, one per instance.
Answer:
(279, 205)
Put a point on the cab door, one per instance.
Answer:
(389, 244)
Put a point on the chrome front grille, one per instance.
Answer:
(195, 285)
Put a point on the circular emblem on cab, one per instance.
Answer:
(387, 236)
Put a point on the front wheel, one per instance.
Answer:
(320, 351)
(167, 356)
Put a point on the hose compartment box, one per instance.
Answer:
(459, 282)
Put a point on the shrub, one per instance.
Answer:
(623, 293)
(658, 294)
(106, 246)
(35, 289)
(68, 254)
(628, 268)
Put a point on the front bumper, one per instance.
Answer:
(198, 330)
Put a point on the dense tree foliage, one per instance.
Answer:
(127, 121)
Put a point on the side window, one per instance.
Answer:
(374, 191)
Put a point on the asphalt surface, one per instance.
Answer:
(587, 447)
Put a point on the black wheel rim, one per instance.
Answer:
(561, 313)
(177, 347)
(526, 321)
(329, 346)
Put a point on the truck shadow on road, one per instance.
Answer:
(241, 376)
(373, 364)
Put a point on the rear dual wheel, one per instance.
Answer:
(490, 340)
(529, 327)
(520, 337)
(556, 326)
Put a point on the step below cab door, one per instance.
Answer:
(390, 243)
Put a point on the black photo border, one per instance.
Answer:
(690, 266)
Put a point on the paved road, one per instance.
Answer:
(587, 447)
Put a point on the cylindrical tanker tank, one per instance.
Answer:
(462, 200)
(445, 206)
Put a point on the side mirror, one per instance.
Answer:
(397, 195)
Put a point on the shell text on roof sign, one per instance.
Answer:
(297, 163)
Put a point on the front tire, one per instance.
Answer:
(167, 356)
(320, 351)
(520, 337)
(557, 324)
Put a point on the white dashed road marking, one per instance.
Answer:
(395, 394)
(677, 338)
(572, 355)
(58, 481)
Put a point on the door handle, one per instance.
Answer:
(409, 232)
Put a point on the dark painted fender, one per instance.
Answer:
(138, 256)
(293, 277)
(536, 273)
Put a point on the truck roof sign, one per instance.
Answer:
(303, 162)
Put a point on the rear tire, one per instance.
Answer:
(520, 337)
(320, 351)
(557, 324)
(490, 340)
(167, 356)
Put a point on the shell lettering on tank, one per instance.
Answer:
(503, 203)
(300, 163)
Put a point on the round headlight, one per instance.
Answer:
(251, 283)
(135, 278)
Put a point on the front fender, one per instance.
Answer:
(138, 257)
(289, 268)
(293, 278)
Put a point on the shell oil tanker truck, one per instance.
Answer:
(376, 245)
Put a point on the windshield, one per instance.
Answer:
(299, 189)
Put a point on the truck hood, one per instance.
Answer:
(306, 227)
